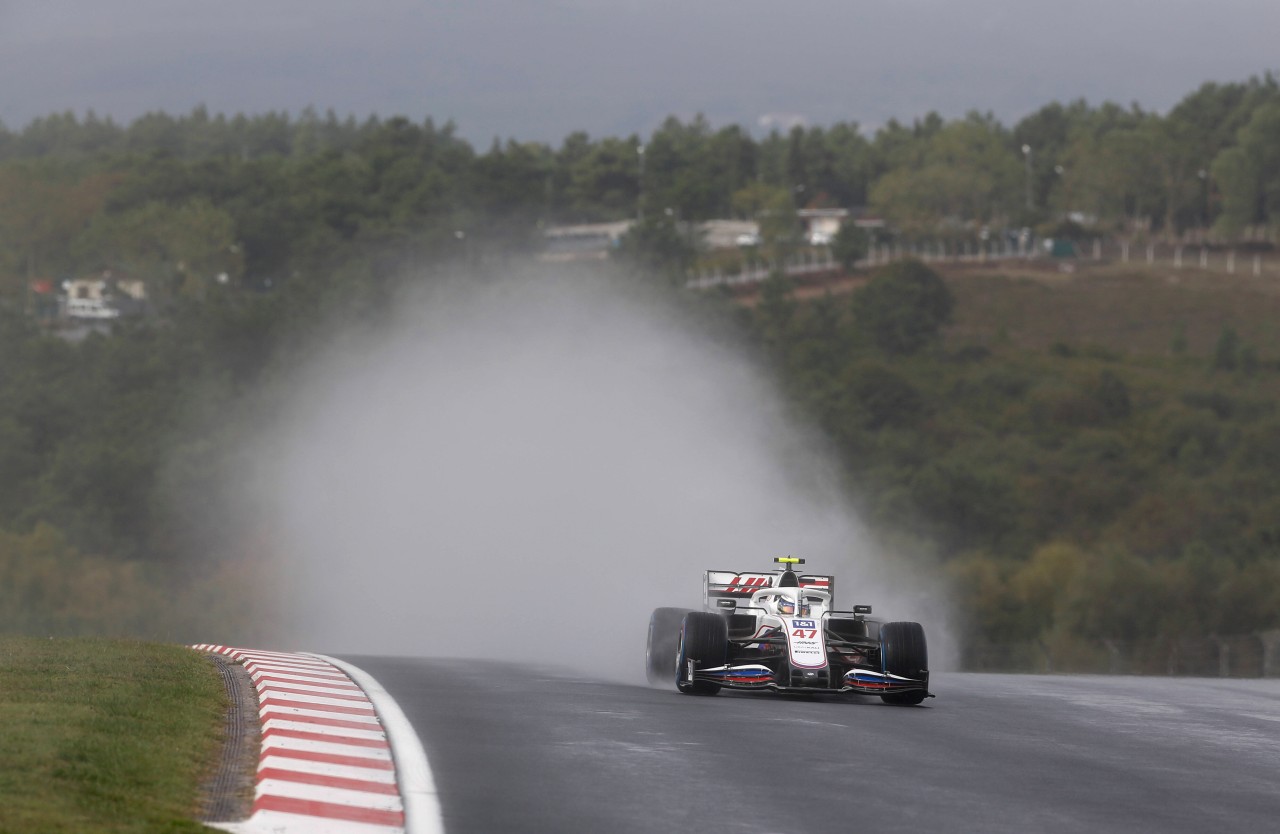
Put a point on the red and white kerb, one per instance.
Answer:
(325, 765)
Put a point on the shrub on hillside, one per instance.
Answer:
(904, 308)
(882, 397)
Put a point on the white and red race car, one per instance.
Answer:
(779, 630)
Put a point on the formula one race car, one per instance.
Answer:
(779, 631)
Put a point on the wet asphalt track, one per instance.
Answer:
(517, 749)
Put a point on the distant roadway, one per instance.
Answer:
(518, 748)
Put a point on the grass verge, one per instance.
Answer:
(104, 735)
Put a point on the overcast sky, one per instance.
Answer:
(539, 69)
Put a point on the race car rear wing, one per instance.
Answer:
(726, 589)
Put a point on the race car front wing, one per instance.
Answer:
(757, 676)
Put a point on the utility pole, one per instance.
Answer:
(1203, 174)
(640, 190)
(1026, 152)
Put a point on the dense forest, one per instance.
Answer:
(1078, 495)
(272, 198)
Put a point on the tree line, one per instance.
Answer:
(274, 197)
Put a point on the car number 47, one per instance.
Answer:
(805, 633)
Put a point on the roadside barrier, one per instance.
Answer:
(1257, 261)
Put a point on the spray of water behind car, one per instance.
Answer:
(522, 469)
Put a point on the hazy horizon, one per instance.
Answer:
(539, 71)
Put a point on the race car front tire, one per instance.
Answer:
(903, 652)
(704, 639)
(662, 645)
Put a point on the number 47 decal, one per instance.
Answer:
(805, 633)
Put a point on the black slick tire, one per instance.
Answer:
(903, 651)
(660, 648)
(704, 639)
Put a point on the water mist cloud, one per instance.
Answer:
(527, 469)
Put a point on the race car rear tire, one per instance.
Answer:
(903, 651)
(704, 639)
(663, 643)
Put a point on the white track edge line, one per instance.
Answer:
(417, 785)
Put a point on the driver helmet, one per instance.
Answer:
(786, 606)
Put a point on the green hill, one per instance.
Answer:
(1093, 459)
